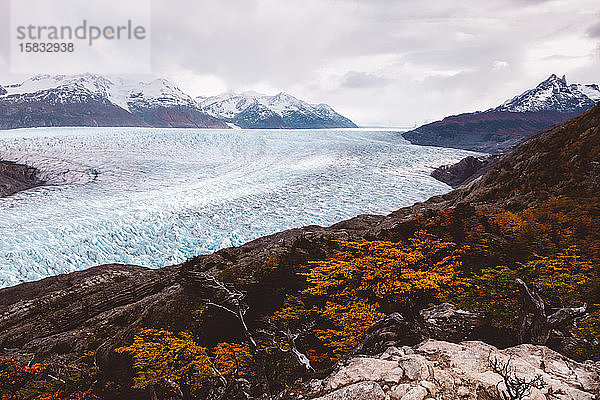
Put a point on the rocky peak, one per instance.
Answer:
(283, 96)
(555, 80)
(553, 94)
(2, 91)
(248, 110)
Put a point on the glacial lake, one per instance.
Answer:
(156, 197)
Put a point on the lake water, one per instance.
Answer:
(155, 197)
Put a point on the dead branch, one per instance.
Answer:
(535, 325)
(515, 387)
(288, 344)
(225, 297)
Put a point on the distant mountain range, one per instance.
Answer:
(94, 100)
(255, 110)
(495, 130)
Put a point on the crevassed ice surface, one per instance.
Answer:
(155, 197)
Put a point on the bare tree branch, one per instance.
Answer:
(289, 339)
(515, 387)
(225, 297)
(534, 324)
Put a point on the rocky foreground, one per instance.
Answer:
(442, 370)
(15, 178)
(436, 359)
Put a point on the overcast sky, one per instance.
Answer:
(379, 62)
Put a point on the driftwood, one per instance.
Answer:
(535, 325)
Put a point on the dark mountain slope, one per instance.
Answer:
(95, 111)
(260, 117)
(499, 129)
(563, 160)
(175, 117)
(490, 131)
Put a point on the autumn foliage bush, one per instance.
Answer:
(172, 365)
(20, 380)
(466, 256)
(365, 281)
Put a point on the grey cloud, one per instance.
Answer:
(594, 30)
(355, 79)
(377, 61)
(562, 57)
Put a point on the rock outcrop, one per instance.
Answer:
(441, 370)
(443, 322)
(15, 178)
(464, 171)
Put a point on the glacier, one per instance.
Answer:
(155, 197)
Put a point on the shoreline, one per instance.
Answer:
(15, 178)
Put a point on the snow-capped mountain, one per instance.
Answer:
(255, 110)
(498, 129)
(554, 94)
(94, 100)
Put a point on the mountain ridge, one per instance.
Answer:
(96, 100)
(282, 110)
(554, 94)
(499, 129)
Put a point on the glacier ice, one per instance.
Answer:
(155, 197)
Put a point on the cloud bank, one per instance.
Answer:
(380, 62)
